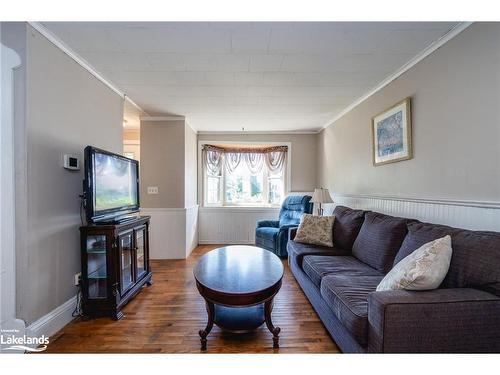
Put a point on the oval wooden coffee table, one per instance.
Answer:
(238, 284)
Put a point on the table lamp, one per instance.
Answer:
(321, 196)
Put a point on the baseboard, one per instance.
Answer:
(54, 321)
(209, 242)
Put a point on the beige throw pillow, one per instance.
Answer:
(424, 269)
(315, 230)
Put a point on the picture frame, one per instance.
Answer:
(391, 134)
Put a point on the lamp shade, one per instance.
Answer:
(321, 195)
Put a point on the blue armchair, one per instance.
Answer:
(273, 234)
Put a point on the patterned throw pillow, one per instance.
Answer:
(315, 230)
(424, 269)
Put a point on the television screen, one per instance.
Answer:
(111, 184)
(115, 183)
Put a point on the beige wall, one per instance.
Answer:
(131, 143)
(131, 134)
(66, 109)
(132, 148)
(455, 96)
(169, 161)
(162, 163)
(303, 154)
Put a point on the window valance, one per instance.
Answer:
(255, 157)
(245, 149)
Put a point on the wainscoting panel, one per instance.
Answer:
(167, 233)
(461, 214)
(191, 229)
(231, 225)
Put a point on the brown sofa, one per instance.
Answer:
(462, 315)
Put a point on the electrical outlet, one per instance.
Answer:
(77, 278)
(152, 189)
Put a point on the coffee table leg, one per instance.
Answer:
(204, 332)
(268, 308)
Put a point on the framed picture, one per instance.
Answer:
(391, 134)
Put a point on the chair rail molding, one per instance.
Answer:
(467, 214)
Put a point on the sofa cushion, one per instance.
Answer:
(315, 230)
(475, 262)
(379, 240)
(347, 297)
(317, 266)
(266, 236)
(346, 227)
(424, 269)
(297, 251)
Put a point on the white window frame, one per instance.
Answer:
(203, 177)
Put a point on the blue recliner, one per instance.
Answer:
(273, 234)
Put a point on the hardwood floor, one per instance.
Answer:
(166, 317)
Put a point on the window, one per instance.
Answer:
(243, 183)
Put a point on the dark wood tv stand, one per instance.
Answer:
(115, 265)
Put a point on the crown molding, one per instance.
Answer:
(168, 118)
(258, 132)
(127, 98)
(162, 118)
(51, 37)
(87, 66)
(189, 125)
(415, 60)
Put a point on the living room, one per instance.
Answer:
(250, 185)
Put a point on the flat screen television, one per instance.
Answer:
(111, 185)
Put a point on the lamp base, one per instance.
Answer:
(320, 210)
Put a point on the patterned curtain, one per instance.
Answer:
(213, 161)
(255, 162)
(233, 159)
(255, 158)
(275, 161)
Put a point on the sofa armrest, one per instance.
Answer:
(292, 232)
(268, 223)
(441, 320)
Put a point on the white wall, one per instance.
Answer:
(9, 63)
(66, 109)
(232, 225)
(191, 188)
(455, 95)
(190, 167)
(132, 143)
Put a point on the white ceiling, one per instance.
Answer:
(260, 76)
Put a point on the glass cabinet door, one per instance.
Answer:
(140, 238)
(126, 260)
(96, 266)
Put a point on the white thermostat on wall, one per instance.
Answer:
(71, 162)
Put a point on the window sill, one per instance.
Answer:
(240, 208)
